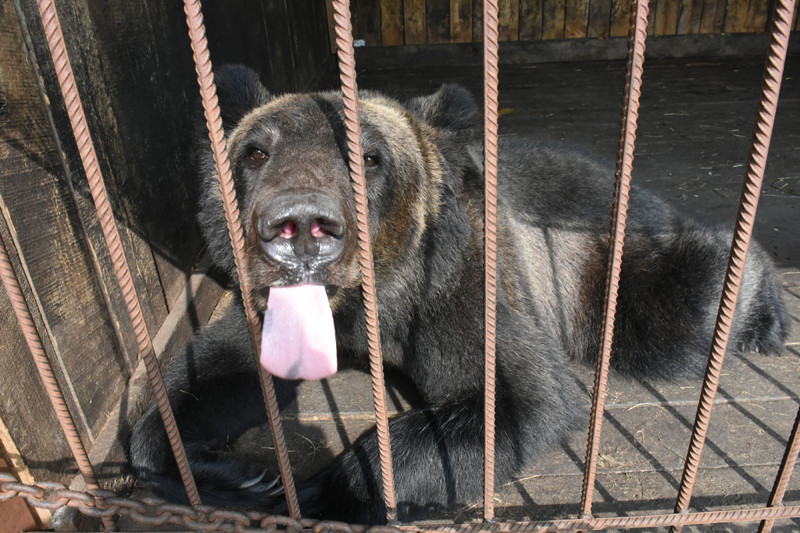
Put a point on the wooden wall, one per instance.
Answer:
(134, 71)
(414, 22)
(286, 41)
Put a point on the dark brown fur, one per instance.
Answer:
(426, 209)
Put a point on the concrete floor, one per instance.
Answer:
(695, 127)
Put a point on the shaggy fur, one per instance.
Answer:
(426, 208)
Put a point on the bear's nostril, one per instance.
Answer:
(316, 230)
(324, 227)
(289, 230)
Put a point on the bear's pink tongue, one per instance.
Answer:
(298, 341)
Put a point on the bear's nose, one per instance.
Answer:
(302, 230)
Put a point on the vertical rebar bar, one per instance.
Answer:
(53, 389)
(784, 473)
(630, 114)
(491, 61)
(47, 375)
(216, 134)
(347, 74)
(748, 203)
(77, 117)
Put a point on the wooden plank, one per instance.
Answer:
(689, 17)
(278, 61)
(240, 35)
(577, 18)
(27, 414)
(736, 15)
(366, 21)
(667, 17)
(461, 21)
(757, 16)
(308, 41)
(620, 18)
(530, 20)
(392, 22)
(42, 216)
(651, 16)
(712, 18)
(331, 25)
(414, 18)
(287, 43)
(553, 19)
(599, 19)
(11, 461)
(477, 21)
(114, 55)
(508, 20)
(17, 516)
(163, 241)
(438, 21)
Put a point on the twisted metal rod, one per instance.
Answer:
(347, 74)
(630, 115)
(748, 203)
(51, 386)
(784, 473)
(491, 60)
(216, 134)
(77, 117)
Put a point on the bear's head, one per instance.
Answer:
(289, 161)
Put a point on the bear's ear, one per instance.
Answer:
(452, 107)
(239, 90)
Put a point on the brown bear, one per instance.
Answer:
(423, 168)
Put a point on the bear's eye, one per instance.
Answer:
(257, 154)
(371, 161)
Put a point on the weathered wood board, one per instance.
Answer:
(413, 22)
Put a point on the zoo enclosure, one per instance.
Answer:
(783, 21)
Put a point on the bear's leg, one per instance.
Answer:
(215, 395)
(438, 459)
(669, 297)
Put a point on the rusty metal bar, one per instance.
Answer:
(784, 473)
(155, 512)
(347, 74)
(748, 203)
(49, 380)
(630, 114)
(77, 117)
(783, 16)
(491, 60)
(216, 134)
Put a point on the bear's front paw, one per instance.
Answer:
(236, 484)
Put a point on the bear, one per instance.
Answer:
(424, 174)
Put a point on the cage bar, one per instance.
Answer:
(491, 61)
(751, 191)
(784, 473)
(347, 74)
(208, 93)
(51, 386)
(627, 142)
(77, 117)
